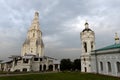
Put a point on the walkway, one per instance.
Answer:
(18, 74)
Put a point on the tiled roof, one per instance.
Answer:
(114, 46)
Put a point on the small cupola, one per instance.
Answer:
(86, 27)
(117, 41)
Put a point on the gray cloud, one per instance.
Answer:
(61, 23)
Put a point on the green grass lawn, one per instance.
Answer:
(60, 76)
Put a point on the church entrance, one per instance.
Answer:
(85, 69)
(44, 68)
(56, 67)
(40, 68)
(24, 69)
(50, 67)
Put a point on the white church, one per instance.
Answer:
(105, 60)
(32, 53)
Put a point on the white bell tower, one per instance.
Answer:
(88, 44)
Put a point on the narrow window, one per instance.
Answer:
(25, 53)
(40, 59)
(118, 66)
(91, 45)
(85, 69)
(33, 34)
(109, 67)
(35, 59)
(25, 60)
(101, 66)
(85, 46)
(37, 54)
(31, 50)
(84, 59)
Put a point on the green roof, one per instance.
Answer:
(114, 46)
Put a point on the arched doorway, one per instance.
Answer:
(50, 67)
(85, 69)
(24, 69)
(44, 67)
(56, 67)
(40, 68)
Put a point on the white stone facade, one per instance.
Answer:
(34, 63)
(106, 62)
(88, 44)
(34, 43)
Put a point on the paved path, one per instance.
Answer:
(18, 74)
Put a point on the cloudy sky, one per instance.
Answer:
(61, 22)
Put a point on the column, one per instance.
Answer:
(47, 67)
(58, 67)
(5, 67)
(53, 67)
(42, 67)
(0, 66)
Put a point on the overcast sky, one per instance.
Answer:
(61, 22)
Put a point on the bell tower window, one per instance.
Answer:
(33, 34)
(85, 46)
(25, 53)
(91, 45)
(31, 50)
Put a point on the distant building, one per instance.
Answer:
(105, 60)
(32, 54)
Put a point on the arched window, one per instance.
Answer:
(84, 59)
(118, 66)
(101, 66)
(37, 54)
(85, 69)
(31, 50)
(85, 46)
(44, 67)
(40, 68)
(109, 67)
(50, 67)
(91, 45)
(33, 34)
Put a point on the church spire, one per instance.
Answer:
(36, 18)
(86, 25)
(116, 39)
(35, 22)
(34, 43)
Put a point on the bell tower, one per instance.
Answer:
(88, 44)
(33, 43)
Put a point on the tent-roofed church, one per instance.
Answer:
(32, 54)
